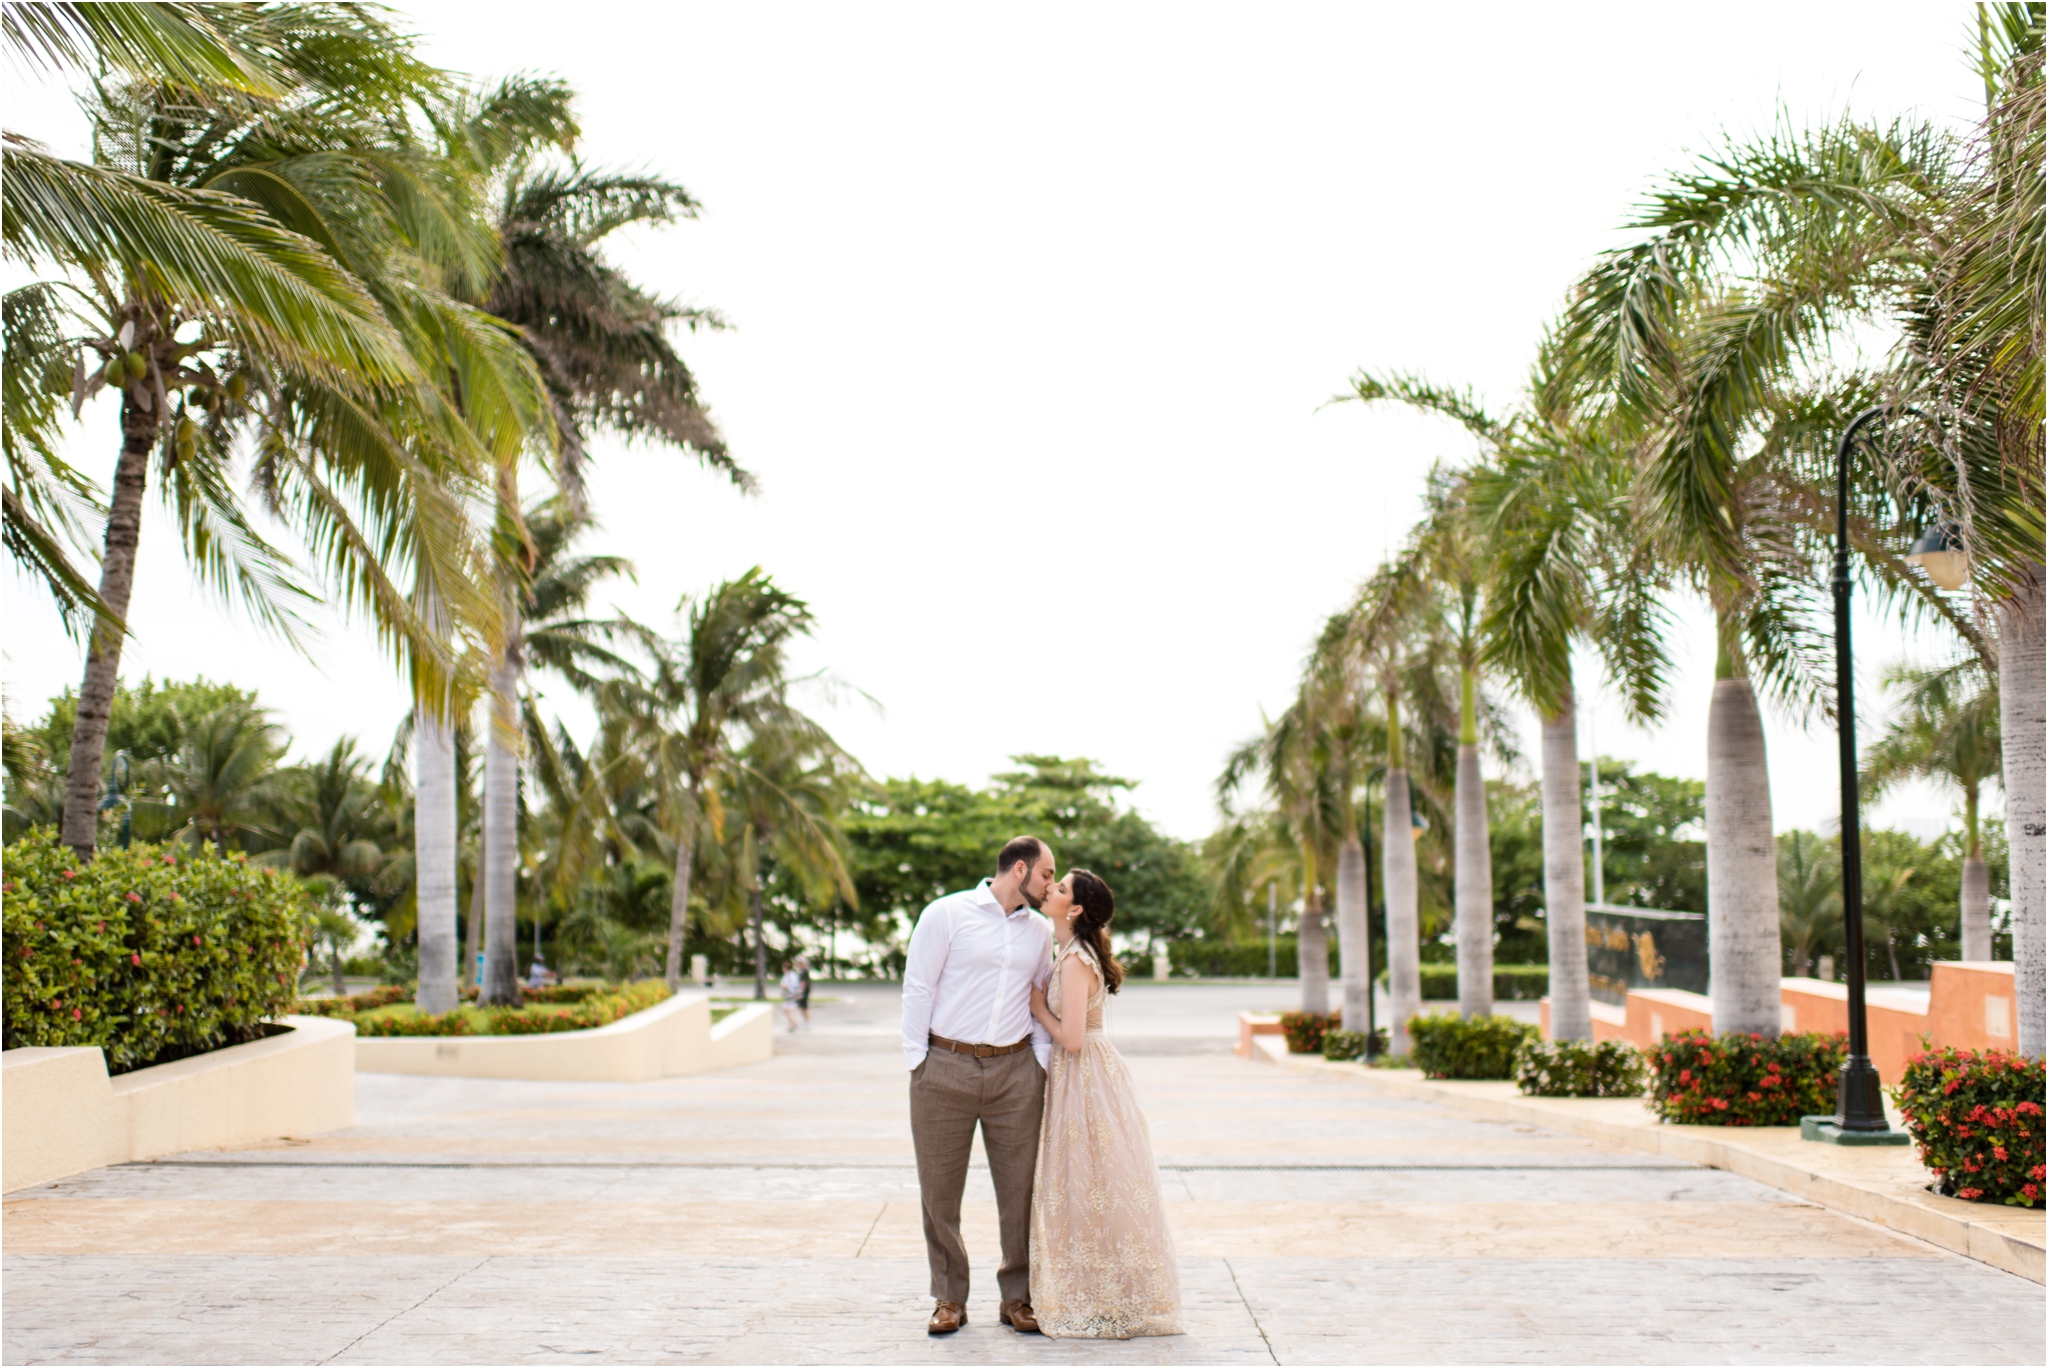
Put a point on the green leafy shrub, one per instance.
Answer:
(1701, 1078)
(152, 953)
(1976, 1117)
(593, 1011)
(382, 996)
(455, 1023)
(1449, 1046)
(562, 992)
(1305, 1030)
(1511, 982)
(1341, 1045)
(1216, 959)
(1576, 1068)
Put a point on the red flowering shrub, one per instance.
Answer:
(1305, 1030)
(150, 955)
(1701, 1078)
(599, 1009)
(1976, 1117)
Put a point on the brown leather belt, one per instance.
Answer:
(981, 1051)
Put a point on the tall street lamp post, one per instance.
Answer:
(1859, 1101)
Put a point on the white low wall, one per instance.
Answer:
(62, 1114)
(670, 1038)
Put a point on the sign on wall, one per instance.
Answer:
(1640, 947)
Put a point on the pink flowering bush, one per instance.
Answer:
(1976, 1117)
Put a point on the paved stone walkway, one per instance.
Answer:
(769, 1215)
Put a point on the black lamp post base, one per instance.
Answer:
(1828, 1131)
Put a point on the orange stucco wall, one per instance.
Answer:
(1967, 1005)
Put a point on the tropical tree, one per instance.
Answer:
(605, 350)
(723, 679)
(785, 797)
(1304, 766)
(222, 783)
(555, 632)
(1974, 371)
(1448, 546)
(1543, 519)
(295, 229)
(1945, 729)
(1809, 897)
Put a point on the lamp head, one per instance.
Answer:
(1938, 553)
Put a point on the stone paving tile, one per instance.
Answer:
(768, 1214)
(1764, 1310)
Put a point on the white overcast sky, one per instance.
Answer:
(1035, 311)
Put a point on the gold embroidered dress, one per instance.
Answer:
(1102, 1261)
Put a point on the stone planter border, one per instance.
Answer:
(64, 1115)
(671, 1038)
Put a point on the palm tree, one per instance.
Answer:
(1309, 765)
(296, 231)
(222, 781)
(1974, 338)
(1699, 338)
(603, 345)
(1809, 898)
(1544, 515)
(1947, 730)
(789, 788)
(552, 629)
(722, 680)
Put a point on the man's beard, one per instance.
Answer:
(1029, 901)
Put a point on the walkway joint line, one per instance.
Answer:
(408, 1310)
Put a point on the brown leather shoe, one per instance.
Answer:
(948, 1317)
(1018, 1316)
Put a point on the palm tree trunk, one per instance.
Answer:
(2023, 723)
(334, 962)
(1404, 948)
(760, 942)
(1474, 891)
(1312, 952)
(1353, 961)
(679, 914)
(501, 842)
(1564, 878)
(1743, 947)
(139, 429)
(473, 944)
(434, 858)
(1975, 922)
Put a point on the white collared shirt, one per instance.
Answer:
(969, 973)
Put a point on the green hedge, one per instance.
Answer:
(546, 1011)
(1976, 1118)
(1577, 1068)
(1214, 959)
(1511, 982)
(1744, 1080)
(1450, 1046)
(151, 953)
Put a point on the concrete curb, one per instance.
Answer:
(671, 1038)
(1886, 1186)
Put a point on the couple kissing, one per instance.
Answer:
(1003, 991)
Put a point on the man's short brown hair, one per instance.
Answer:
(1024, 848)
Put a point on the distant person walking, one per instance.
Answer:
(977, 1057)
(794, 993)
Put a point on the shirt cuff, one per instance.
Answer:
(913, 1058)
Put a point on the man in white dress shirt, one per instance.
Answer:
(977, 1055)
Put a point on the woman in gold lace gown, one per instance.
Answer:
(1102, 1261)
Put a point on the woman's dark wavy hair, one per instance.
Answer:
(1091, 924)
